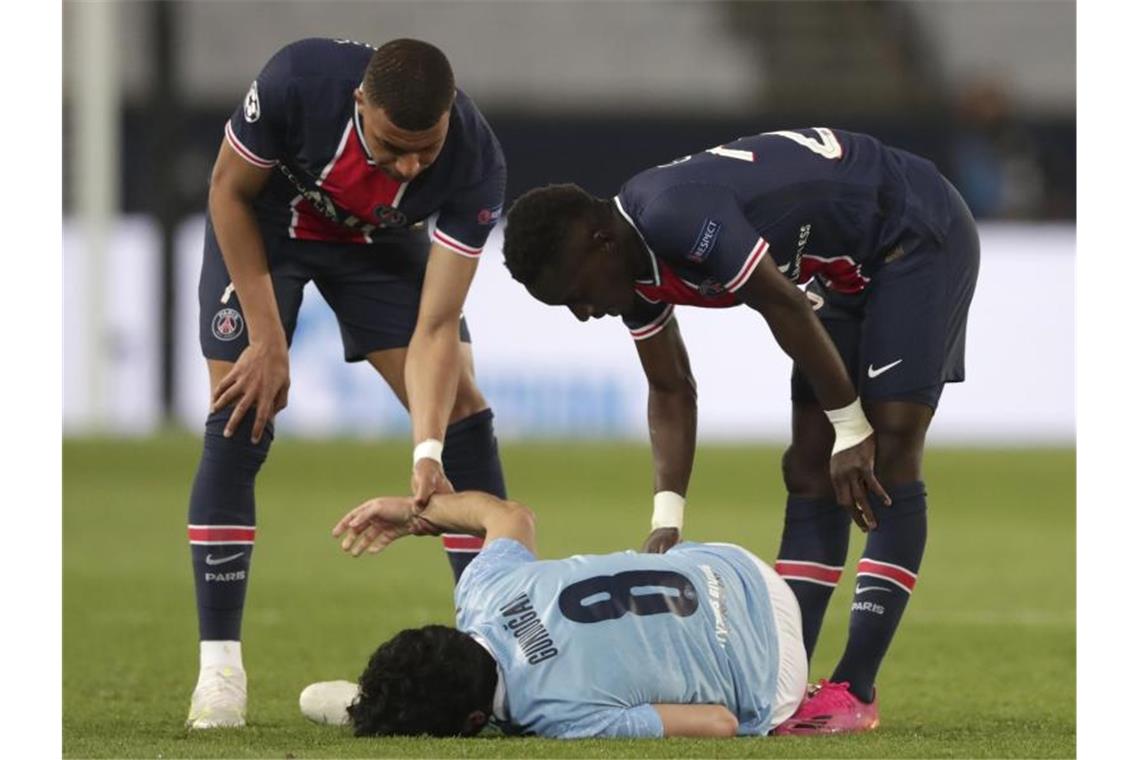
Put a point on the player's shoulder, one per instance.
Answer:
(320, 58)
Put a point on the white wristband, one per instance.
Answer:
(668, 510)
(851, 426)
(428, 449)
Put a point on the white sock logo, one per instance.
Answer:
(211, 560)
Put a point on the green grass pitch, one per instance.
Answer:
(984, 664)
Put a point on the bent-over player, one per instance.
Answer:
(326, 173)
(702, 640)
(891, 254)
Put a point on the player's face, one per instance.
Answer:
(400, 153)
(595, 283)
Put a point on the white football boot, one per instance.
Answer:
(219, 698)
(327, 701)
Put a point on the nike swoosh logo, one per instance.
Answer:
(210, 560)
(873, 373)
(861, 589)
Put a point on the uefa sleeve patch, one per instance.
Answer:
(252, 105)
(705, 242)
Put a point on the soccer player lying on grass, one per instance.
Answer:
(703, 640)
(888, 251)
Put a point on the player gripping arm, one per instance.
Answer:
(432, 368)
(260, 377)
(803, 338)
(378, 522)
(672, 430)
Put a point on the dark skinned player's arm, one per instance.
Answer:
(799, 332)
(802, 337)
(234, 184)
(672, 418)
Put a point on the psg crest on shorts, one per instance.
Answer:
(227, 324)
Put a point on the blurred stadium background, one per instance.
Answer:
(588, 92)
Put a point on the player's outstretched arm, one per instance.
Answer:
(376, 523)
(802, 337)
(259, 379)
(672, 430)
(431, 371)
(697, 720)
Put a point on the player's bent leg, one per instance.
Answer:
(889, 567)
(221, 533)
(813, 547)
(470, 449)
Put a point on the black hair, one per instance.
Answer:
(423, 681)
(412, 81)
(538, 226)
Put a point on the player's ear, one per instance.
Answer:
(603, 239)
(358, 96)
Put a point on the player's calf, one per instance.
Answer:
(813, 547)
(471, 462)
(221, 531)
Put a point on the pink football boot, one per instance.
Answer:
(831, 708)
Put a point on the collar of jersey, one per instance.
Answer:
(360, 132)
(656, 279)
(499, 703)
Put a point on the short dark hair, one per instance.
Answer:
(412, 81)
(423, 681)
(538, 226)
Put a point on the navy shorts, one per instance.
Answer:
(904, 337)
(374, 290)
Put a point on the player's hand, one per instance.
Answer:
(853, 476)
(661, 541)
(259, 380)
(428, 479)
(378, 522)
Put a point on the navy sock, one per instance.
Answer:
(812, 552)
(471, 463)
(221, 529)
(886, 576)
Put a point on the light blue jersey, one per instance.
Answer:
(586, 644)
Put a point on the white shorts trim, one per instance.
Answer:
(792, 680)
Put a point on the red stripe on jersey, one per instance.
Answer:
(654, 327)
(245, 152)
(750, 263)
(448, 241)
(899, 575)
(676, 290)
(809, 571)
(462, 543)
(220, 533)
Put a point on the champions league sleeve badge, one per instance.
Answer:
(252, 104)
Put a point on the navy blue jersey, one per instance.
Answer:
(823, 203)
(300, 117)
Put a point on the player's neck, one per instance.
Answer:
(631, 246)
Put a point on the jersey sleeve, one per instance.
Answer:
(468, 217)
(257, 129)
(641, 721)
(703, 225)
(647, 317)
(497, 558)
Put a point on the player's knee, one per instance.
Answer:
(468, 401)
(805, 475)
(898, 456)
(241, 441)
